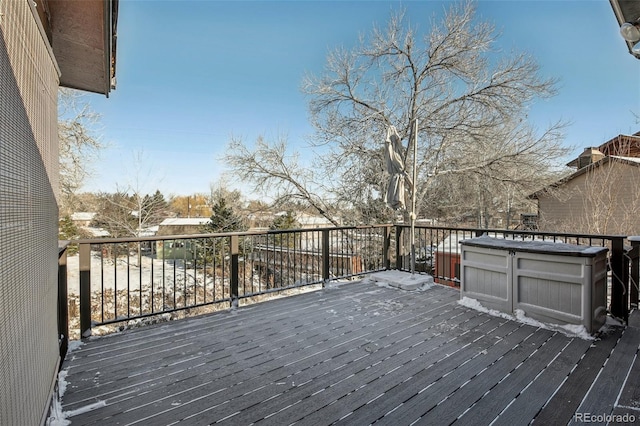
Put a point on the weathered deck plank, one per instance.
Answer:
(531, 400)
(565, 401)
(355, 354)
(602, 396)
(440, 374)
(326, 395)
(238, 353)
(302, 381)
(463, 384)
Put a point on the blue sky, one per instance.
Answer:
(190, 74)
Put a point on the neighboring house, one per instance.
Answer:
(96, 232)
(149, 231)
(310, 221)
(601, 195)
(83, 221)
(260, 221)
(43, 44)
(182, 226)
(179, 249)
(82, 218)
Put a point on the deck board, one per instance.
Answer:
(390, 394)
(565, 401)
(531, 400)
(603, 395)
(464, 383)
(629, 401)
(499, 385)
(330, 397)
(352, 354)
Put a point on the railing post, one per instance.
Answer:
(325, 257)
(84, 260)
(619, 280)
(235, 255)
(63, 307)
(634, 255)
(387, 247)
(399, 248)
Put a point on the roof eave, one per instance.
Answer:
(83, 39)
(629, 13)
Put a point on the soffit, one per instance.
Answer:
(626, 11)
(83, 39)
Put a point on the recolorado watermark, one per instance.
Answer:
(604, 418)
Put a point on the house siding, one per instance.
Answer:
(602, 200)
(28, 217)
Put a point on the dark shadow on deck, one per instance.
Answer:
(354, 354)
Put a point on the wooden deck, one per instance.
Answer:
(354, 354)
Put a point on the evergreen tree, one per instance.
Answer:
(67, 230)
(286, 221)
(224, 219)
(154, 209)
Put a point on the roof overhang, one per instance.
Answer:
(83, 39)
(627, 11)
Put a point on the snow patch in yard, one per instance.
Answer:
(570, 330)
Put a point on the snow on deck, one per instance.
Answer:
(354, 353)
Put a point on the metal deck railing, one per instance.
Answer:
(115, 281)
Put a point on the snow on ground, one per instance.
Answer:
(131, 286)
(571, 330)
(126, 272)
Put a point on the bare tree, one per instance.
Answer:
(78, 141)
(194, 205)
(470, 104)
(273, 171)
(134, 206)
(496, 193)
(130, 214)
(220, 190)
